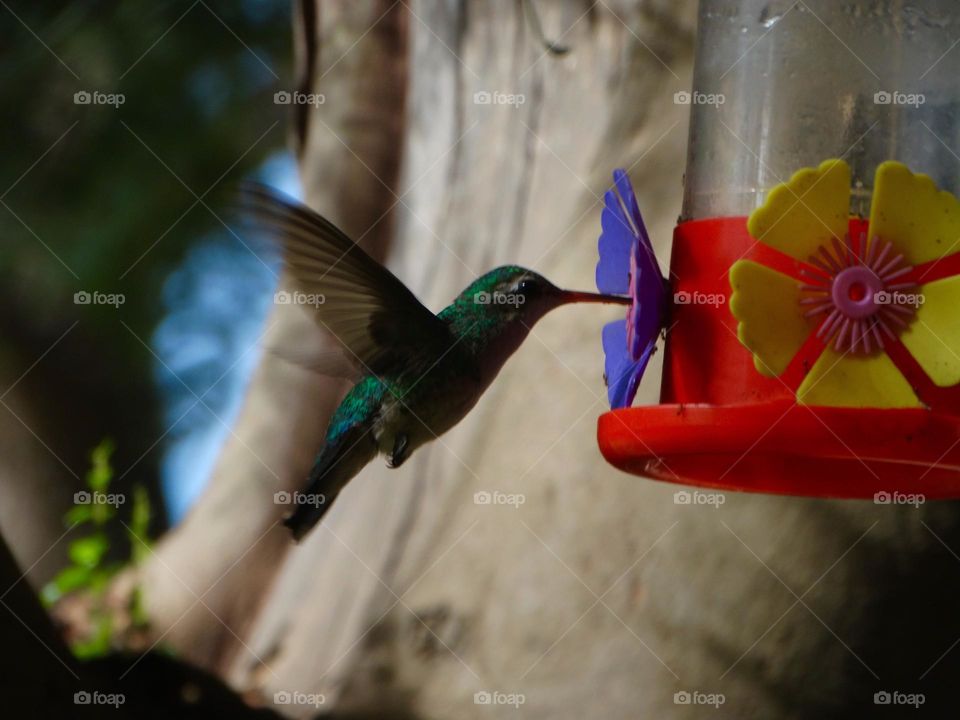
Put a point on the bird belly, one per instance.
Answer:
(423, 416)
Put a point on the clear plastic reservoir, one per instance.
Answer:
(784, 85)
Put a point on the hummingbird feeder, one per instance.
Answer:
(812, 311)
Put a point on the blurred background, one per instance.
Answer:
(448, 137)
(126, 198)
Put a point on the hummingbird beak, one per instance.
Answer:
(575, 296)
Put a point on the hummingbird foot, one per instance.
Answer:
(400, 451)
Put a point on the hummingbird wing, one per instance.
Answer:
(373, 315)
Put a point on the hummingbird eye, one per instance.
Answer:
(526, 287)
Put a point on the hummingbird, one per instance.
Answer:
(417, 374)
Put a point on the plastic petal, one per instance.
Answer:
(615, 245)
(649, 295)
(933, 338)
(804, 213)
(623, 373)
(772, 325)
(921, 221)
(625, 188)
(844, 380)
(629, 198)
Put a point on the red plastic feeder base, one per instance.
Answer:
(722, 424)
(785, 448)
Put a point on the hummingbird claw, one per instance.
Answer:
(399, 452)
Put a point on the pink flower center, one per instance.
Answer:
(854, 291)
(855, 287)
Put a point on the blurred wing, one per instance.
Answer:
(331, 363)
(366, 308)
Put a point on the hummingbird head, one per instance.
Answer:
(513, 293)
(497, 310)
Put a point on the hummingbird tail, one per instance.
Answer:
(334, 467)
(299, 525)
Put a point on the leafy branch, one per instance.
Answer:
(91, 569)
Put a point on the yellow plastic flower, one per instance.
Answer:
(858, 294)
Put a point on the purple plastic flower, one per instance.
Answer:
(627, 265)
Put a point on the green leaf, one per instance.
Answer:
(88, 551)
(140, 515)
(78, 514)
(100, 473)
(66, 581)
(71, 578)
(138, 610)
(101, 513)
(101, 576)
(90, 571)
